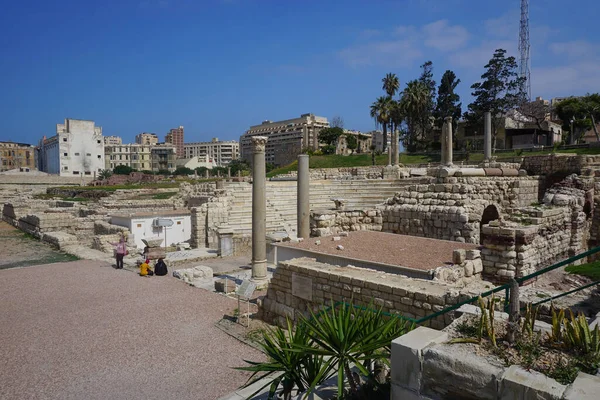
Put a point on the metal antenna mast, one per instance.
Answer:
(524, 71)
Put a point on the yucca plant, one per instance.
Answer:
(531, 313)
(578, 336)
(555, 336)
(350, 335)
(287, 368)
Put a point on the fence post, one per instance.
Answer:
(513, 312)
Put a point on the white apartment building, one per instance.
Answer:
(146, 138)
(141, 157)
(112, 140)
(76, 149)
(219, 152)
(286, 139)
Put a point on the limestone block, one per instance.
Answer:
(227, 286)
(585, 387)
(473, 254)
(459, 256)
(518, 383)
(453, 371)
(469, 268)
(197, 276)
(407, 357)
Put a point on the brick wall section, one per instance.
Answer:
(413, 298)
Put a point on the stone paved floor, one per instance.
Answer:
(83, 330)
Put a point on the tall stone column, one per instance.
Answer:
(448, 141)
(487, 136)
(259, 209)
(303, 197)
(389, 151)
(443, 145)
(396, 148)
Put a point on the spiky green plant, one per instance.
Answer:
(555, 336)
(350, 335)
(531, 313)
(287, 368)
(578, 336)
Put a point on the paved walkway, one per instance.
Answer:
(83, 330)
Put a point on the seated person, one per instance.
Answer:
(145, 269)
(160, 268)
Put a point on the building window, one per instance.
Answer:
(88, 173)
(88, 154)
(65, 154)
(76, 154)
(75, 172)
(64, 139)
(178, 222)
(99, 156)
(98, 141)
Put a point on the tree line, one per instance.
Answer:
(422, 105)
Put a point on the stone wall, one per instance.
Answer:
(331, 222)
(302, 284)
(207, 219)
(452, 209)
(548, 236)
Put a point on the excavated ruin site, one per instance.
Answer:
(413, 240)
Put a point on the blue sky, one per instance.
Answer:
(218, 66)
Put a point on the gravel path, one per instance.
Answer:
(83, 330)
(407, 251)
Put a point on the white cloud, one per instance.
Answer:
(444, 37)
(478, 56)
(504, 27)
(392, 53)
(573, 79)
(575, 49)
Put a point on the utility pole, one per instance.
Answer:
(524, 71)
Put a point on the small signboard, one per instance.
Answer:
(246, 289)
(163, 222)
(302, 287)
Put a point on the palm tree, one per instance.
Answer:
(414, 102)
(391, 84)
(381, 112)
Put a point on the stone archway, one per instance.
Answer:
(490, 213)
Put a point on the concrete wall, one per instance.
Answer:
(141, 228)
(425, 367)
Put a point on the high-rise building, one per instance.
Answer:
(16, 155)
(146, 138)
(287, 138)
(76, 149)
(175, 137)
(221, 153)
(112, 140)
(141, 157)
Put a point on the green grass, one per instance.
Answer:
(160, 185)
(363, 160)
(164, 195)
(591, 270)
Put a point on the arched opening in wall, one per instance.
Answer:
(489, 214)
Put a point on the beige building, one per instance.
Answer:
(141, 157)
(196, 162)
(16, 156)
(112, 140)
(287, 138)
(221, 153)
(363, 143)
(146, 138)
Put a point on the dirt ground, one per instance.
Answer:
(18, 249)
(83, 330)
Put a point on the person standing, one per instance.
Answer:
(120, 252)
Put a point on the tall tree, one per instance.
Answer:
(414, 104)
(580, 114)
(391, 84)
(498, 92)
(381, 112)
(448, 101)
(337, 122)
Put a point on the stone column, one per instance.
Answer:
(487, 136)
(389, 151)
(395, 148)
(206, 173)
(448, 141)
(443, 145)
(303, 198)
(259, 209)
(229, 172)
